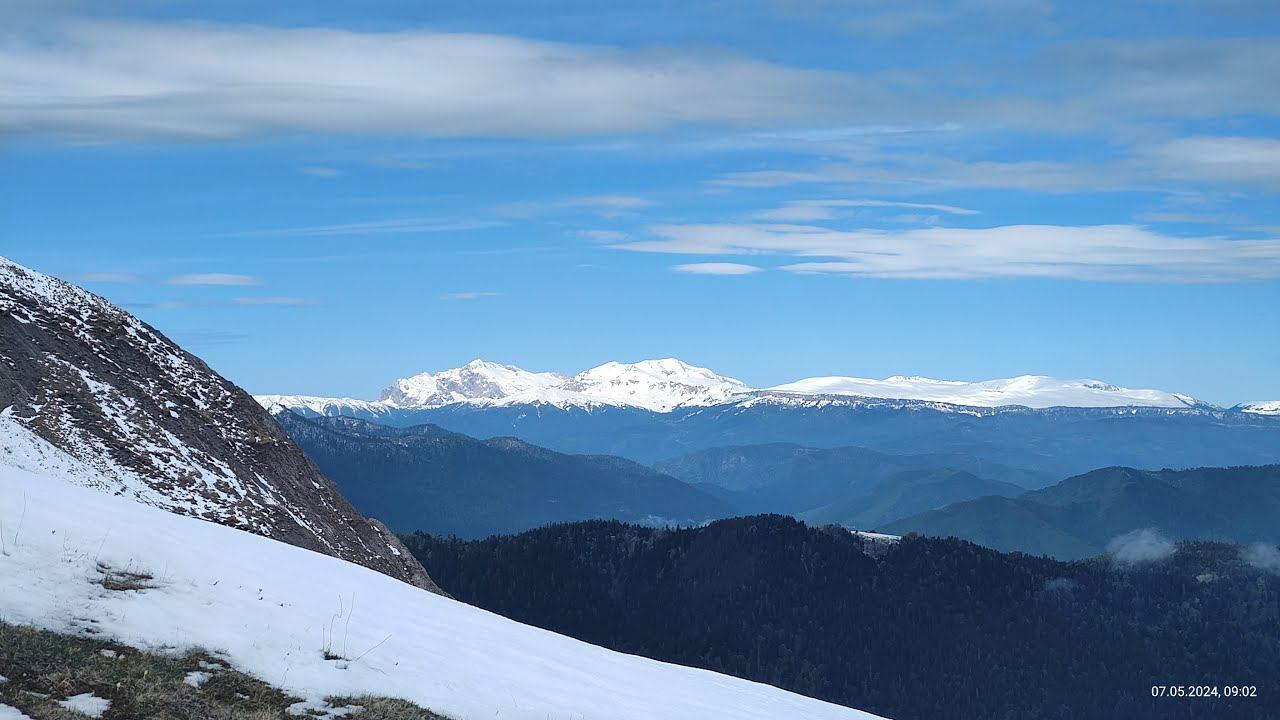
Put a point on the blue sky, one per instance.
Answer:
(318, 198)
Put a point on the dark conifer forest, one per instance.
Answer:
(914, 630)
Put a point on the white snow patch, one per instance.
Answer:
(877, 537)
(86, 703)
(272, 610)
(196, 678)
(1262, 407)
(8, 712)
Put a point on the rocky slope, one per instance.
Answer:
(157, 425)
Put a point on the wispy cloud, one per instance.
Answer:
(808, 210)
(1164, 165)
(391, 226)
(214, 279)
(1096, 252)
(604, 235)
(399, 162)
(469, 295)
(208, 338)
(320, 171)
(717, 268)
(605, 205)
(107, 277)
(274, 300)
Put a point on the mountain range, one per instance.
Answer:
(848, 485)
(669, 384)
(1080, 516)
(427, 478)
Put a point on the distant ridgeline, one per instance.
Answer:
(1079, 516)
(653, 410)
(916, 629)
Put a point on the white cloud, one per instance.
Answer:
(320, 171)
(1246, 160)
(274, 300)
(604, 235)
(807, 210)
(605, 205)
(100, 79)
(393, 226)
(1096, 252)
(1140, 546)
(717, 268)
(214, 279)
(107, 277)
(1263, 556)
(469, 295)
(1169, 166)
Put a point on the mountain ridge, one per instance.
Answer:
(1079, 516)
(668, 384)
(427, 478)
(133, 414)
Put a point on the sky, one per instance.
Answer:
(318, 198)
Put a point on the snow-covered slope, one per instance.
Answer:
(666, 385)
(1034, 391)
(158, 426)
(1263, 407)
(274, 610)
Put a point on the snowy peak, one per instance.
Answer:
(151, 422)
(478, 380)
(1261, 407)
(1034, 391)
(660, 385)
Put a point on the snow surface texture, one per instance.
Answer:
(275, 611)
(666, 385)
(8, 712)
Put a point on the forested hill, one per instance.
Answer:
(917, 629)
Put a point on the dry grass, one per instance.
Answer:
(44, 667)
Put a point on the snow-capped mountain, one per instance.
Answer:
(155, 424)
(1262, 407)
(477, 381)
(1033, 391)
(669, 384)
(316, 625)
(656, 385)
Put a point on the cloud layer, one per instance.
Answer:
(101, 79)
(1099, 252)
